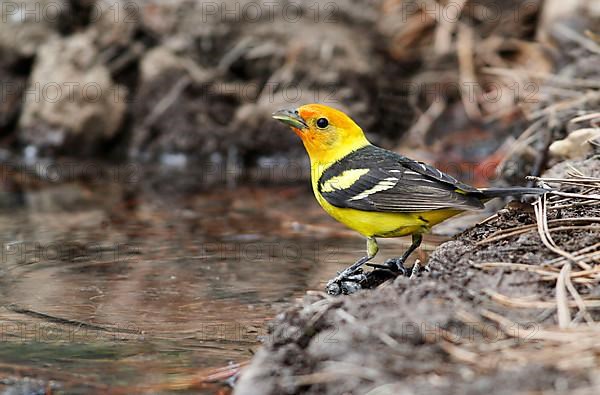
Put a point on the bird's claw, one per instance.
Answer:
(394, 265)
(344, 275)
(346, 282)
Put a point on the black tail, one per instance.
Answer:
(511, 191)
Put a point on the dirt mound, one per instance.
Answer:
(484, 320)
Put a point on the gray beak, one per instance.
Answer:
(290, 118)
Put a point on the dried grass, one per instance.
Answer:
(573, 343)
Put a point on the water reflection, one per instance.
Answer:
(125, 285)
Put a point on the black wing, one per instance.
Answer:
(374, 179)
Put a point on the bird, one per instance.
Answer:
(376, 192)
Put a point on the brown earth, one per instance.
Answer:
(182, 81)
(458, 329)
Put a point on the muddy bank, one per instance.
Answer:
(484, 320)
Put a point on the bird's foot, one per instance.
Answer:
(394, 265)
(350, 281)
(346, 282)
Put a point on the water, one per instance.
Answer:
(143, 287)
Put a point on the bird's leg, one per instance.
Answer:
(351, 273)
(396, 265)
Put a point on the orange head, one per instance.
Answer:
(328, 134)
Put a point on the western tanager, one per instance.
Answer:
(376, 192)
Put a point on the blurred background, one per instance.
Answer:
(148, 197)
(191, 84)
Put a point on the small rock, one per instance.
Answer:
(26, 25)
(71, 103)
(576, 145)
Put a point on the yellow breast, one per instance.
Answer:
(381, 224)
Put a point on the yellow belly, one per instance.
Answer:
(374, 224)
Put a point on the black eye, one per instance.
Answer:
(322, 123)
